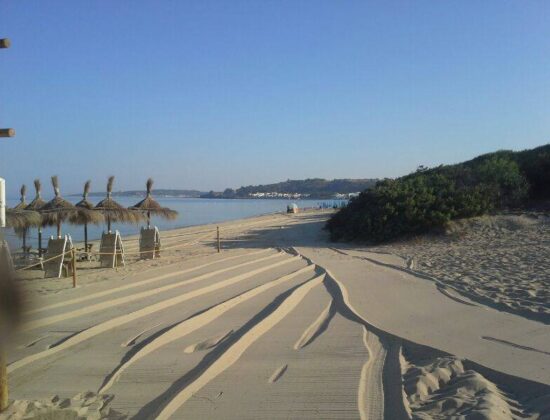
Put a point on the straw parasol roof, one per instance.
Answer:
(113, 211)
(57, 209)
(37, 203)
(85, 212)
(150, 206)
(22, 219)
(22, 203)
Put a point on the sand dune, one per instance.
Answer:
(502, 261)
(314, 331)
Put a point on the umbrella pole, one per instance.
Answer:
(58, 229)
(39, 242)
(108, 224)
(25, 241)
(86, 238)
(148, 220)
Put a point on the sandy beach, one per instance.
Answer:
(285, 324)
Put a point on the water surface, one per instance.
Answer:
(192, 211)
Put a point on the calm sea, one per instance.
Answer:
(192, 211)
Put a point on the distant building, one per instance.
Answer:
(278, 195)
(344, 196)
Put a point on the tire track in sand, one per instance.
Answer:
(148, 310)
(227, 358)
(192, 324)
(136, 296)
(380, 392)
(139, 283)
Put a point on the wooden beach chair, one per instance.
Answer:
(111, 250)
(149, 243)
(57, 247)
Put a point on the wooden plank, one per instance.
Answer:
(7, 132)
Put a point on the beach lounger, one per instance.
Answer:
(57, 247)
(149, 243)
(111, 250)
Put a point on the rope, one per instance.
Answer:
(117, 252)
(120, 252)
(43, 261)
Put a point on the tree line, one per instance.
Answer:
(314, 187)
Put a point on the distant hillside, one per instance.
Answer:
(308, 188)
(157, 193)
(430, 198)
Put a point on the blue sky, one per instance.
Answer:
(210, 94)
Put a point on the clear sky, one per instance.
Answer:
(214, 94)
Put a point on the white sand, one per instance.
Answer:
(283, 324)
(502, 261)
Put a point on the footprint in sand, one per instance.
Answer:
(278, 373)
(208, 343)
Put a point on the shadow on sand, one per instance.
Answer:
(303, 232)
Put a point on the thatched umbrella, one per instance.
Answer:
(22, 201)
(36, 205)
(85, 213)
(113, 211)
(58, 209)
(22, 219)
(19, 217)
(150, 206)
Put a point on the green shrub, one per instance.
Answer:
(430, 198)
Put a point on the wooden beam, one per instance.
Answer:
(7, 132)
(5, 43)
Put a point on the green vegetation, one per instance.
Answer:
(430, 198)
(312, 188)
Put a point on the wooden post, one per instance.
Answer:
(7, 132)
(3, 381)
(218, 237)
(73, 263)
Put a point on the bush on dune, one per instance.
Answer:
(430, 198)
